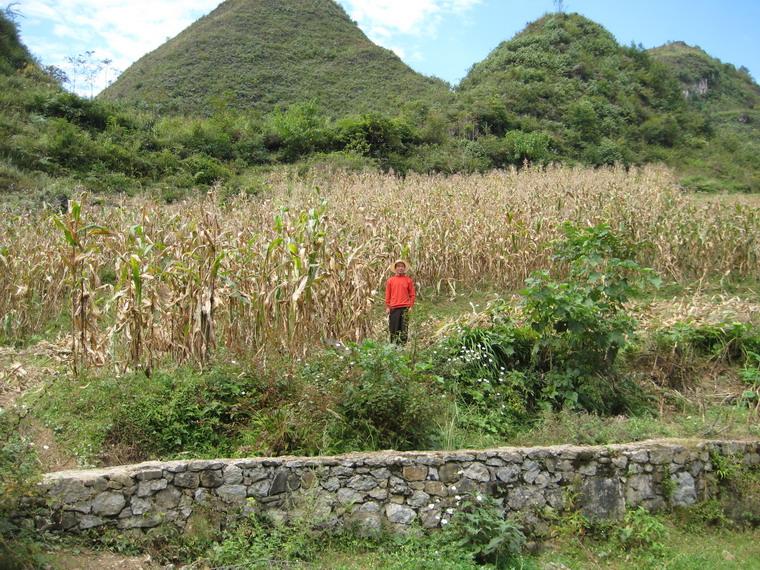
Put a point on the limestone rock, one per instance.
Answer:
(232, 493)
(602, 498)
(187, 480)
(211, 479)
(108, 504)
(399, 514)
(477, 472)
(167, 498)
(685, 492)
(232, 475)
(147, 488)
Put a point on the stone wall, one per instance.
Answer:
(389, 488)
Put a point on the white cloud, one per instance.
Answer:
(382, 19)
(115, 29)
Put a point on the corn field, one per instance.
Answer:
(139, 282)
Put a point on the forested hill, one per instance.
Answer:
(706, 79)
(257, 54)
(730, 100)
(599, 101)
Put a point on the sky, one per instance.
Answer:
(443, 38)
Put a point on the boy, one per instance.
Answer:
(399, 298)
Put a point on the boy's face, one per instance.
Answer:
(400, 268)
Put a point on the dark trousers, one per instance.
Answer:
(398, 325)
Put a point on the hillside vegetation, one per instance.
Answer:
(730, 100)
(260, 54)
(566, 77)
(561, 91)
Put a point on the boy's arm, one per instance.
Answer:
(388, 294)
(412, 292)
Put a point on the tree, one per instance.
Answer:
(88, 67)
(56, 74)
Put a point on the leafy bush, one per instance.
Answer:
(383, 402)
(565, 351)
(481, 529)
(641, 530)
(674, 354)
(533, 147)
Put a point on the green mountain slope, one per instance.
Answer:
(262, 53)
(706, 79)
(567, 76)
(13, 54)
(730, 99)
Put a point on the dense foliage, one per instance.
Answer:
(568, 78)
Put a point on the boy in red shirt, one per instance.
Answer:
(399, 298)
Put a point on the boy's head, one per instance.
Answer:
(399, 267)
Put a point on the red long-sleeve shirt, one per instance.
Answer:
(399, 292)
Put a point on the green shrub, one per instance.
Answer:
(490, 369)
(581, 320)
(521, 146)
(641, 530)
(205, 169)
(383, 402)
(480, 528)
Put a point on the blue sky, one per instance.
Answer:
(435, 37)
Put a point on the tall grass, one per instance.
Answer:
(309, 259)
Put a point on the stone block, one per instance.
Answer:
(450, 472)
(639, 456)
(90, 521)
(140, 506)
(147, 521)
(399, 514)
(187, 480)
(362, 482)
(602, 498)
(149, 474)
(67, 491)
(108, 504)
(147, 488)
(232, 475)
(660, 456)
(414, 473)
(259, 489)
(331, 484)
(382, 473)
(508, 474)
(235, 494)
(167, 499)
(211, 478)
(418, 499)
(436, 488)
(685, 491)
(349, 496)
(477, 472)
